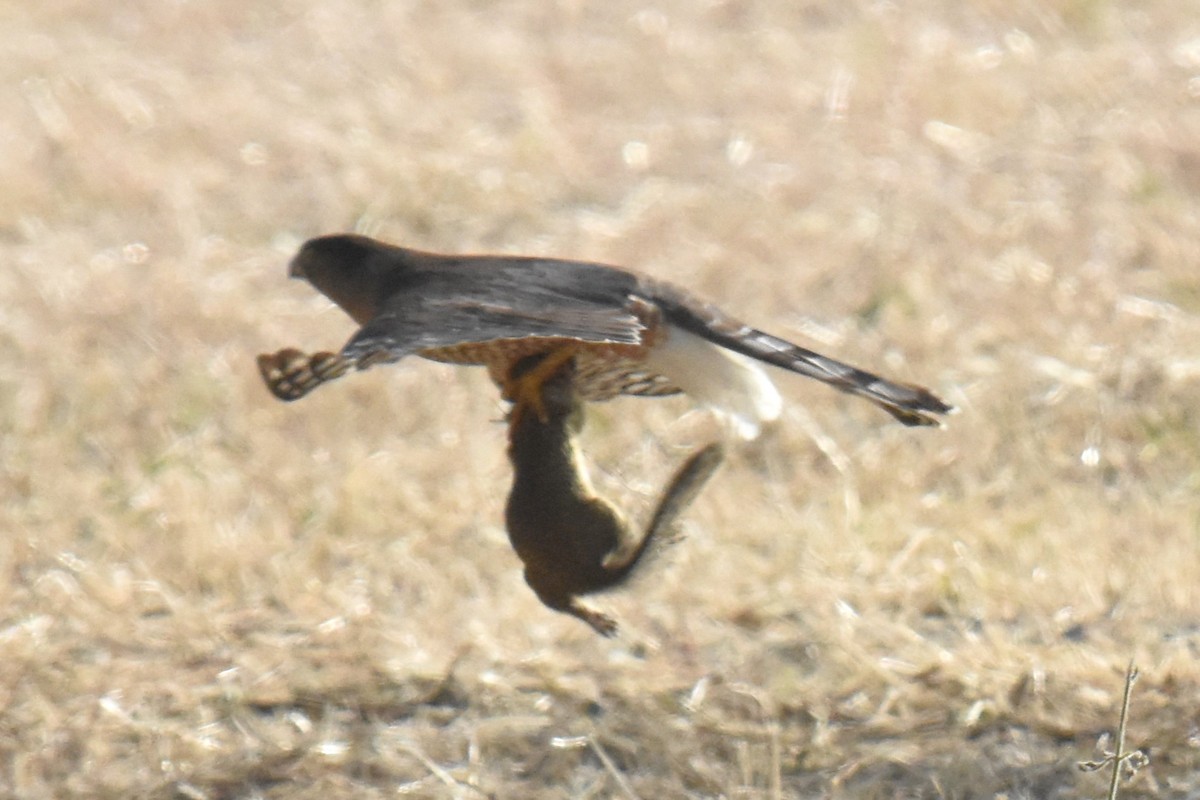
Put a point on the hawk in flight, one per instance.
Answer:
(626, 333)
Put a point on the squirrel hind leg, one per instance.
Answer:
(601, 623)
(550, 589)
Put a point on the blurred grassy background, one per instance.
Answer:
(210, 594)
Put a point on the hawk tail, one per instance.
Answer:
(909, 403)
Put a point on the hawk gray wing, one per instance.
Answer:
(464, 305)
(491, 311)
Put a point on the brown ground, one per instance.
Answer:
(210, 594)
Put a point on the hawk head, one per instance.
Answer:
(350, 270)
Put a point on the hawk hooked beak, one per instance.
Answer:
(295, 270)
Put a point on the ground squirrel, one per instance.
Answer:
(572, 541)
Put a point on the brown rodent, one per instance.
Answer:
(572, 541)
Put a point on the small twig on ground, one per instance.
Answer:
(437, 771)
(1124, 765)
(622, 783)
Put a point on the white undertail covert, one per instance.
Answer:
(734, 386)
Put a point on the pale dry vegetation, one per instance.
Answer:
(210, 594)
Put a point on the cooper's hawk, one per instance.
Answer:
(627, 333)
(572, 541)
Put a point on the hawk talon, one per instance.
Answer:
(524, 390)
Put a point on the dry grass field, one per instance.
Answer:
(207, 593)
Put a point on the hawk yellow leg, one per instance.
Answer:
(524, 388)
